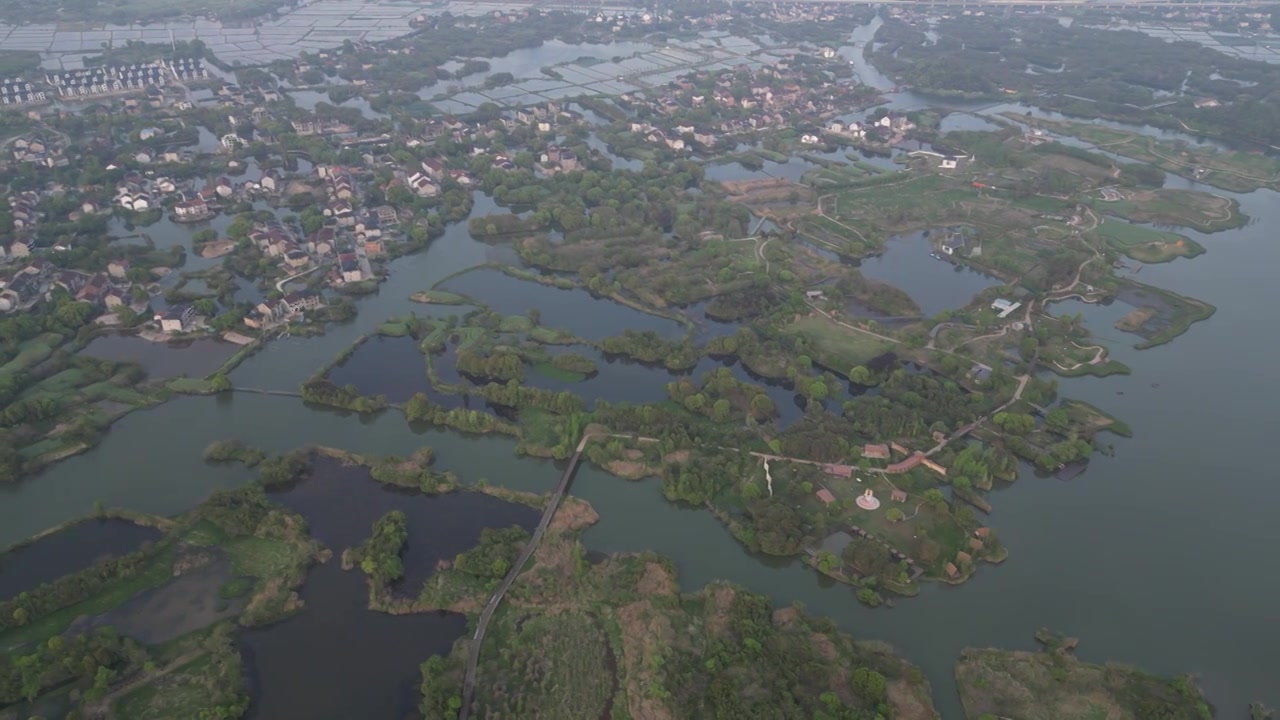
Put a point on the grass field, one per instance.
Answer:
(31, 353)
(838, 347)
(181, 693)
(260, 557)
(1185, 208)
(546, 369)
(1234, 171)
(440, 297)
(1146, 244)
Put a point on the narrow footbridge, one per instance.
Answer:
(473, 652)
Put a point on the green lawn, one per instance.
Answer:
(260, 557)
(1147, 244)
(839, 347)
(31, 353)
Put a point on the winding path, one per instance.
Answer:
(473, 651)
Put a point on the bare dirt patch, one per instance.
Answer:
(643, 633)
(574, 514)
(907, 703)
(718, 605)
(217, 249)
(630, 470)
(1135, 320)
(656, 581)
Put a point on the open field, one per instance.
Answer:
(839, 347)
(1145, 244)
(1185, 208)
(1229, 170)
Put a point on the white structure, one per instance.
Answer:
(1005, 307)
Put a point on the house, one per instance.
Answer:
(423, 185)
(954, 242)
(933, 466)
(349, 266)
(948, 162)
(963, 558)
(901, 450)
(177, 318)
(825, 496)
(387, 215)
(841, 471)
(905, 465)
(193, 208)
(952, 570)
(976, 545)
(265, 314)
(808, 139)
(223, 186)
(297, 302)
(875, 452)
(982, 532)
(898, 495)
(434, 168)
(1005, 307)
(296, 258)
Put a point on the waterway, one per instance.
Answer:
(1160, 556)
(336, 659)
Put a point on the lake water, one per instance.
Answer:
(197, 358)
(1160, 556)
(935, 285)
(67, 551)
(336, 659)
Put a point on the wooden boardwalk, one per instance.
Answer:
(473, 651)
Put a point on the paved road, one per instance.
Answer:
(473, 654)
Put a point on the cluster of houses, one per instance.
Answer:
(24, 211)
(108, 79)
(776, 95)
(617, 21)
(17, 91)
(23, 288)
(890, 129)
(187, 68)
(269, 313)
(37, 149)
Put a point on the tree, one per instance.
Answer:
(870, 685)
(935, 498)
(895, 515)
(860, 375)
(1058, 420)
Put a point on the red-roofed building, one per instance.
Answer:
(875, 452)
(826, 497)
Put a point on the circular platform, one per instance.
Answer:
(868, 503)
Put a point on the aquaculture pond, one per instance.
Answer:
(336, 659)
(69, 550)
(391, 366)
